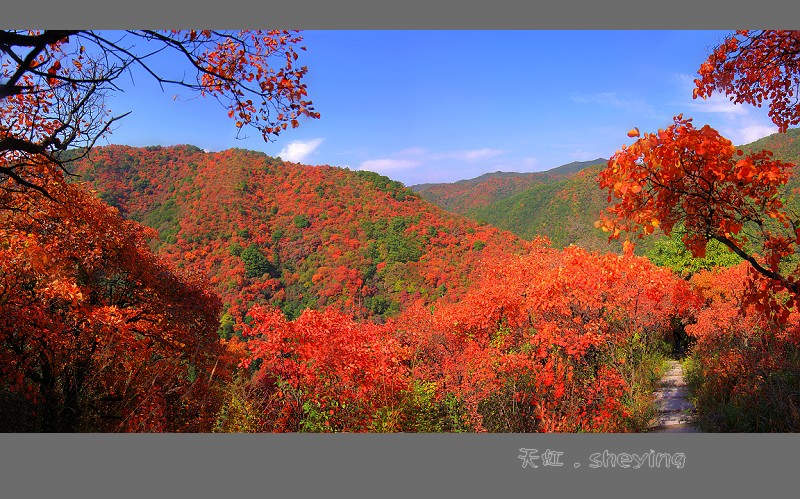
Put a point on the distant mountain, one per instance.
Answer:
(290, 235)
(563, 210)
(785, 146)
(563, 203)
(576, 166)
(465, 195)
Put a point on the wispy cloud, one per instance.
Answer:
(469, 154)
(388, 165)
(602, 98)
(754, 132)
(297, 151)
(418, 164)
(612, 99)
(741, 123)
(717, 103)
(412, 151)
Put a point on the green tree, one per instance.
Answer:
(255, 263)
(670, 252)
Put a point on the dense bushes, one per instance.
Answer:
(744, 368)
(560, 341)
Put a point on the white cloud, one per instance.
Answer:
(740, 123)
(755, 132)
(417, 164)
(418, 157)
(583, 155)
(604, 98)
(745, 134)
(297, 151)
(476, 154)
(611, 99)
(387, 165)
(412, 151)
(467, 154)
(717, 103)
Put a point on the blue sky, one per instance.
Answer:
(439, 106)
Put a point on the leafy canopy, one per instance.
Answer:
(53, 84)
(753, 67)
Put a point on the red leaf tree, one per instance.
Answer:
(52, 86)
(325, 372)
(756, 66)
(696, 177)
(96, 333)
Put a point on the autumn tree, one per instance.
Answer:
(53, 84)
(549, 341)
(670, 252)
(744, 371)
(755, 67)
(693, 180)
(96, 332)
(325, 372)
(697, 178)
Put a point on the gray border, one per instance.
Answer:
(408, 14)
(743, 465)
(390, 465)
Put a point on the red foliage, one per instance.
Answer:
(546, 331)
(323, 363)
(756, 66)
(95, 331)
(52, 85)
(697, 178)
(466, 195)
(538, 343)
(333, 238)
(747, 358)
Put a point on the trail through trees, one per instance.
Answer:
(675, 413)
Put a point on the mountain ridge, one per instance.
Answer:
(565, 169)
(563, 208)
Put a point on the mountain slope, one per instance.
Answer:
(561, 204)
(564, 207)
(465, 195)
(785, 147)
(294, 236)
(564, 211)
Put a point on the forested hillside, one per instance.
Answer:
(564, 211)
(563, 204)
(318, 255)
(468, 195)
(290, 235)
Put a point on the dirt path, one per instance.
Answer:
(675, 413)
